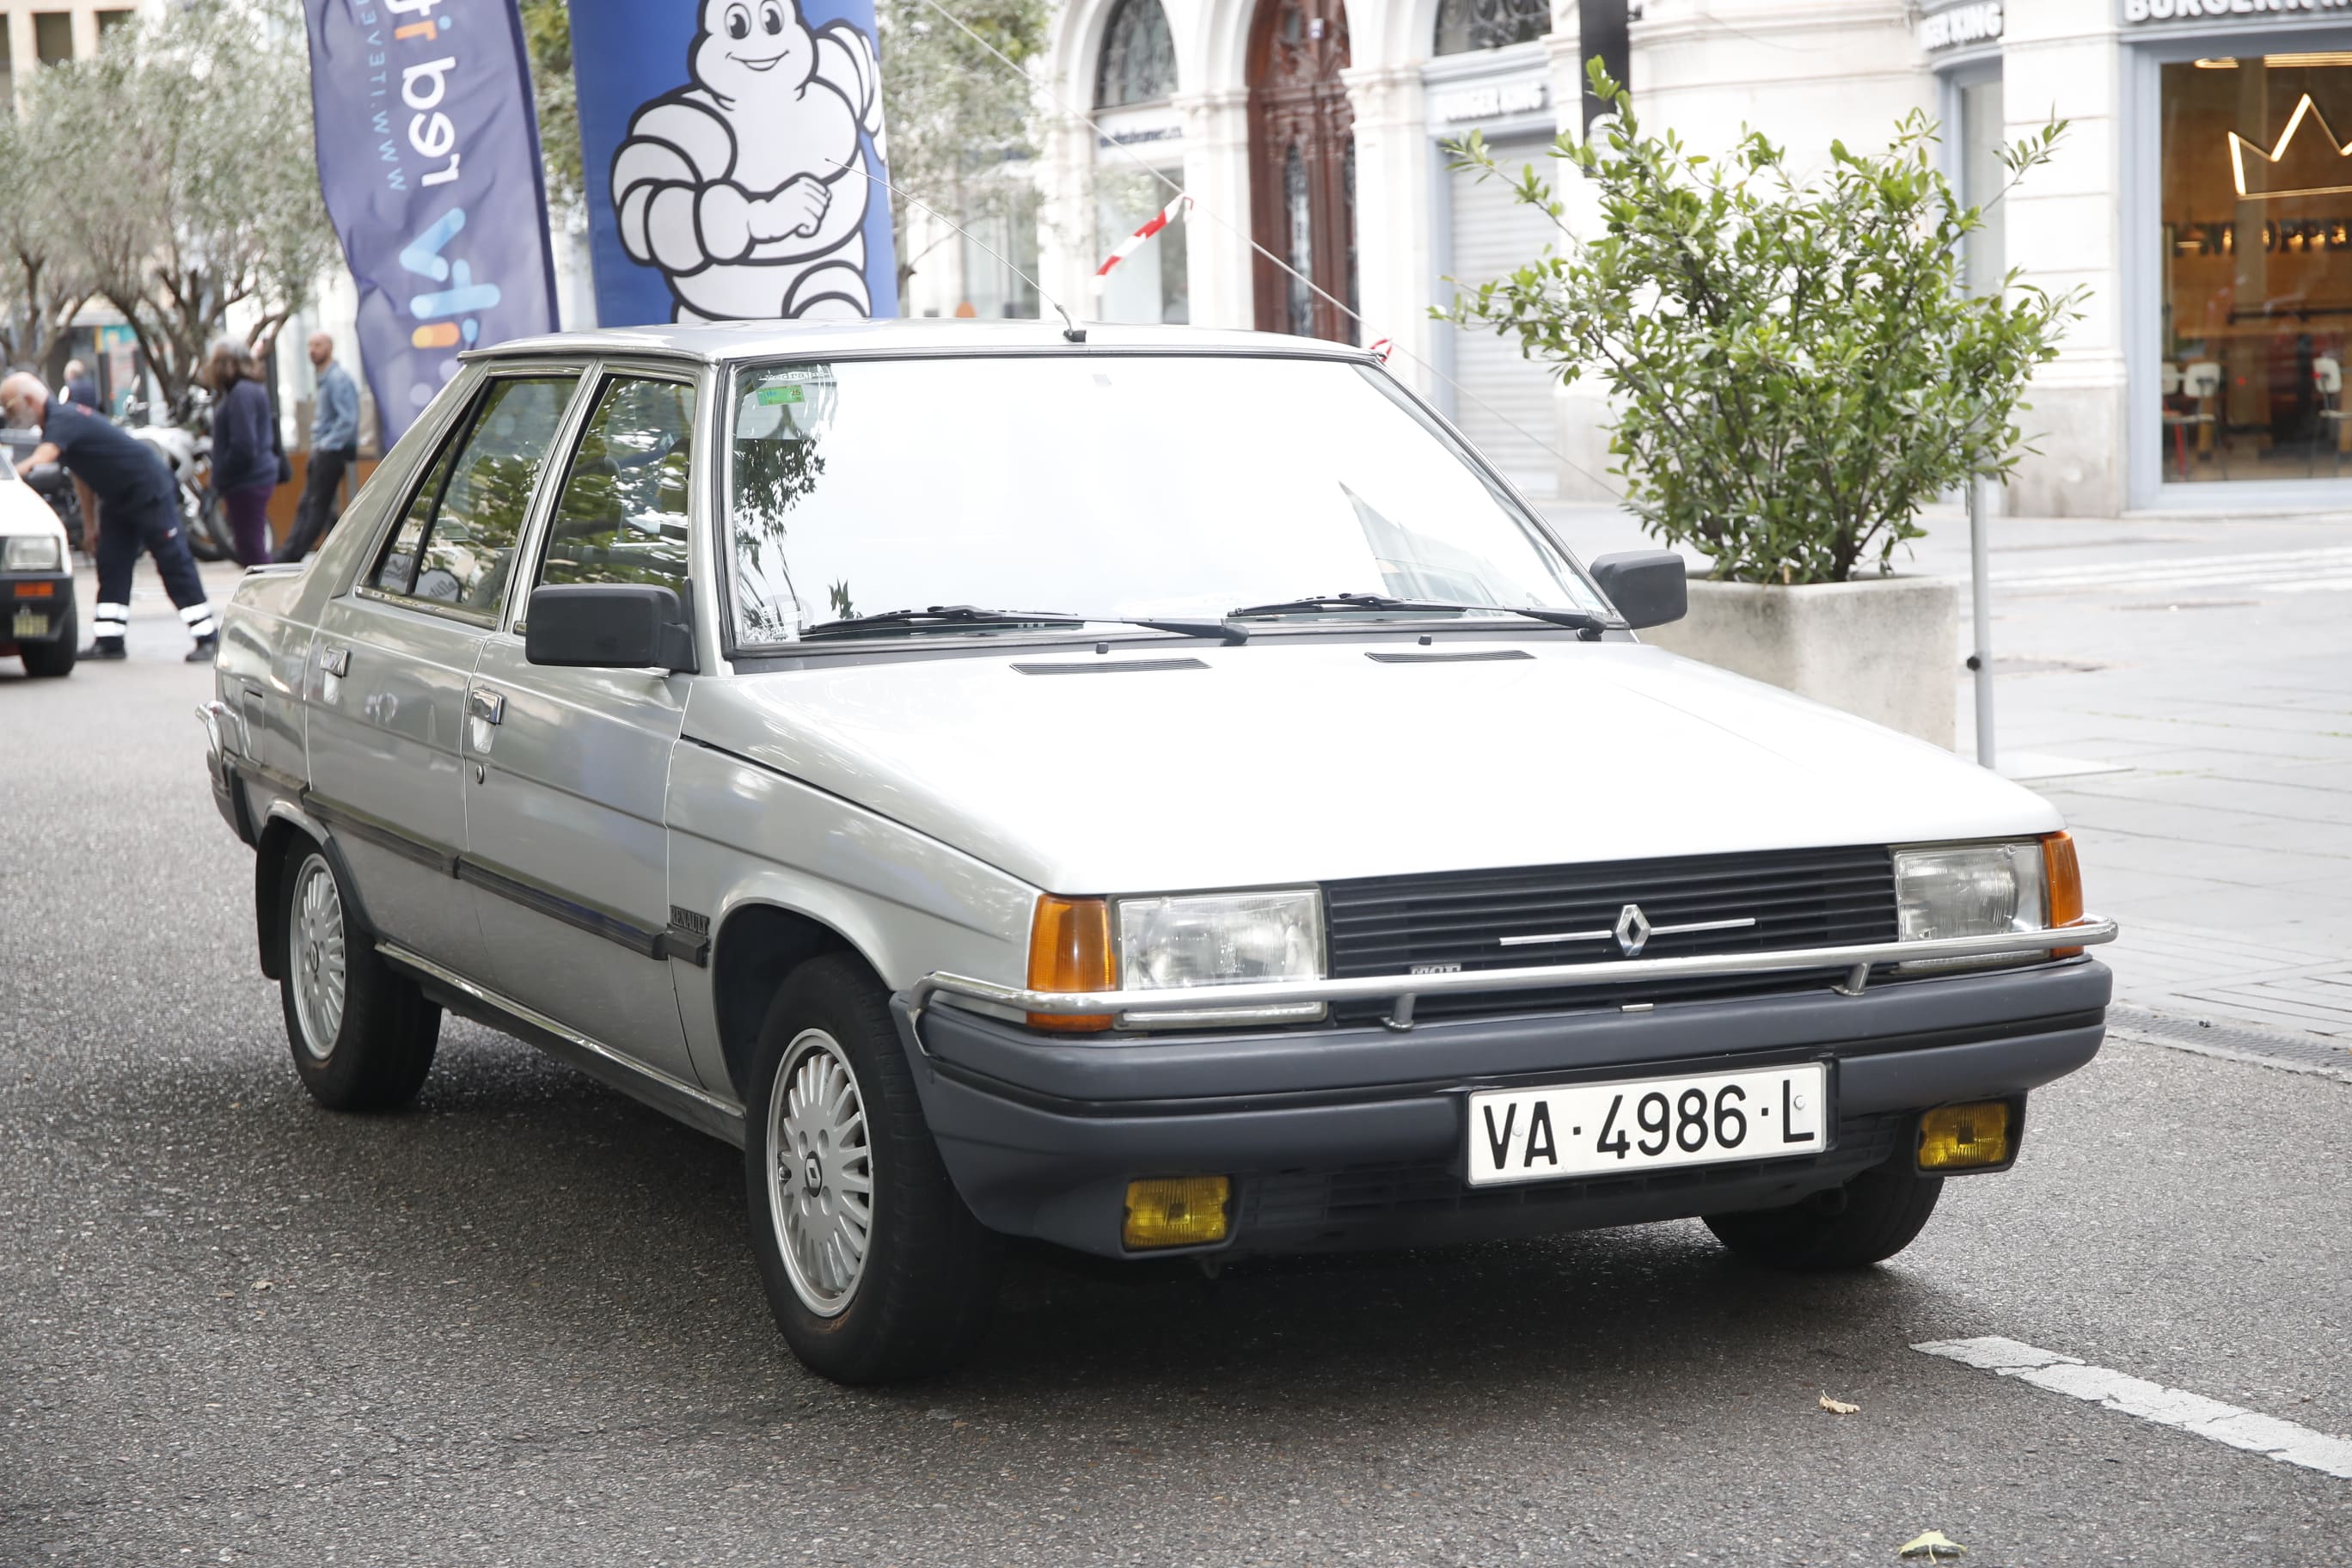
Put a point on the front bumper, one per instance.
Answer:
(1353, 1137)
(35, 606)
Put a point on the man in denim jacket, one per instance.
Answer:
(334, 443)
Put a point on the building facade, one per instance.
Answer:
(2198, 198)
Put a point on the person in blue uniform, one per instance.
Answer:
(139, 509)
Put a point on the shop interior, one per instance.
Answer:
(2257, 210)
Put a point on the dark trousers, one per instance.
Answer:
(317, 511)
(123, 533)
(248, 522)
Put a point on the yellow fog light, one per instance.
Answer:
(1965, 1137)
(1179, 1211)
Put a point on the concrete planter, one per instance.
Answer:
(1883, 648)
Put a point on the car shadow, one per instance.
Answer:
(586, 1229)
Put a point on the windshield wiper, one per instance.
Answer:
(956, 617)
(938, 617)
(1582, 621)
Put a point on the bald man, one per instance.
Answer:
(139, 509)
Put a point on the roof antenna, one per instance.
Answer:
(1070, 330)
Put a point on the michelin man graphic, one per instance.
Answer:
(748, 188)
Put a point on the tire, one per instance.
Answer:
(917, 1297)
(54, 660)
(1867, 1221)
(367, 1045)
(206, 525)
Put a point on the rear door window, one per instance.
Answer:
(454, 547)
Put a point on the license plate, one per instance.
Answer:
(1599, 1128)
(29, 623)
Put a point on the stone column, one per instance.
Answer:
(2060, 57)
(1394, 281)
(1216, 173)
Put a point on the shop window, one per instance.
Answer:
(52, 37)
(1139, 57)
(1466, 25)
(2256, 267)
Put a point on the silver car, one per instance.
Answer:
(1155, 791)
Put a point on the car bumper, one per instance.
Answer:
(1354, 1137)
(35, 606)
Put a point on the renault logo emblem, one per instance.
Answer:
(1633, 930)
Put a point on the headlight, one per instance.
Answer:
(34, 552)
(1191, 942)
(1970, 890)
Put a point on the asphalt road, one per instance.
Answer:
(518, 1323)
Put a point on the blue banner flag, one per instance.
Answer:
(428, 157)
(735, 152)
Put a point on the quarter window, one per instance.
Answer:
(622, 515)
(456, 546)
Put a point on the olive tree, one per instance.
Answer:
(955, 113)
(45, 277)
(1796, 365)
(188, 184)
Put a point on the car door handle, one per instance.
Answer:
(335, 661)
(489, 706)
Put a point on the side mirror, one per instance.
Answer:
(1649, 587)
(609, 625)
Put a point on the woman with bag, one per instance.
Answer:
(248, 463)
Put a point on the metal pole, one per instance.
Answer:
(1980, 602)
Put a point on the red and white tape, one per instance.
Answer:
(1136, 241)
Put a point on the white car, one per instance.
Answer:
(36, 585)
(1151, 790)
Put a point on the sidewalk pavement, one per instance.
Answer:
(2181, 690)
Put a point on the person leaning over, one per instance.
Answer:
(139, 509)
(244, 457)
(335, 446)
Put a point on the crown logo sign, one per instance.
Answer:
(2315, 172)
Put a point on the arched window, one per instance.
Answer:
(1139, 58)
(1466, 25)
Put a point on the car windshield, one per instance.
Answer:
(1067, 485)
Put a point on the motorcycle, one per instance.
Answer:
(184, 443)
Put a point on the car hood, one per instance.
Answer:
(22, 510)
(1297, 761)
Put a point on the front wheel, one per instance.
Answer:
(1868, 1220)
(873, 1267)
(54, 659)
(363, 1036)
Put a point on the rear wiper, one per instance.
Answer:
(938, 617)
(1589, 625)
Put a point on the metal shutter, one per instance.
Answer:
(1494, 235)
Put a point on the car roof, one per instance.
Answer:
(723, 343)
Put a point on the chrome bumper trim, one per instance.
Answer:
(1402, 989)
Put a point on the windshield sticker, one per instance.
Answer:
(770, 396)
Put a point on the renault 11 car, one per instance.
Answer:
(1155, 791)
(36, 584)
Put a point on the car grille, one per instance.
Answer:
(1797, 899)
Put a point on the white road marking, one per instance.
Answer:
(2191, 1413)
(2276, 571)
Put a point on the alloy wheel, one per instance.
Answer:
(315, 952)
(820, 1173)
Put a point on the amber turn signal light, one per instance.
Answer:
(1070, 949)
(2063, 874)
(1965, 1137)
(1182, 1211)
